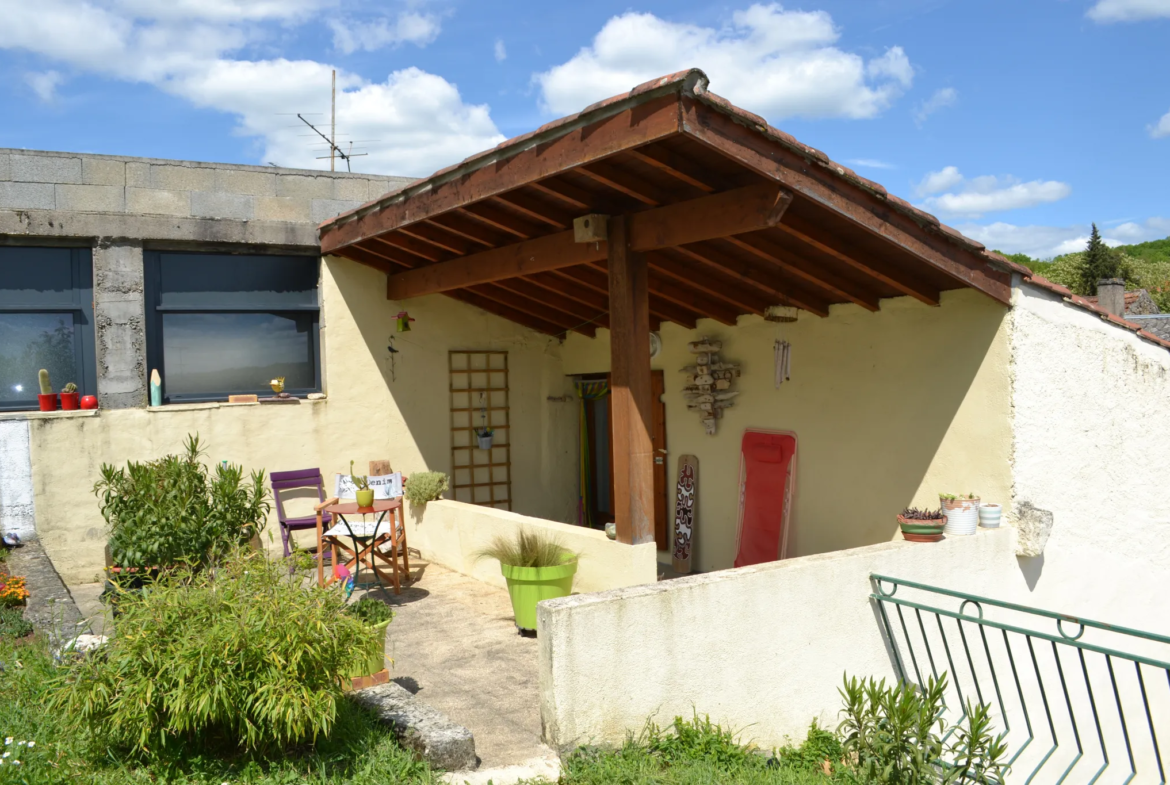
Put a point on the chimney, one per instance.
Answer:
(1111, 295)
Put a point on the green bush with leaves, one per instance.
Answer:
(241, 656)
(425, 487)
(13, 624)
(369, 611)
(174, 511)
(893, 736)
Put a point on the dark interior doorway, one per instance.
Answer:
(598, 474)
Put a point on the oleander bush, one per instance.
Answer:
(240, 656)
(175, 511)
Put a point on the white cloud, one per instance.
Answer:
(409, 27)
(870, 163)
(988, 194)
(775, 62)
(947, 96)
(501, 51)
(936, 182)
(1129, 10)
(420, 119)
(44, 84)
(1161, 129)
(1045, 242)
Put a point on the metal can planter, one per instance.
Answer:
(530, 585)
(485, 442)
(962, 515)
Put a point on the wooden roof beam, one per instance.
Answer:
(574, 197)
(599, 282)
(543, 296)
(532, 208)
(807, 271)
(780, 290)
(899, 281)
(721, 286)
(675, 166)
(360, 255)
(441, 237)
(541, 311)
(687, 296)
(587, 297)
(635, 187)
(499, 218)
(413, 246)
(553, 154)
(769, 158)
(733, 212)
(468, 229)
(505, 312)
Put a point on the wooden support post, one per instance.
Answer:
(629, 324)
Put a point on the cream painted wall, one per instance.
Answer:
(889, 408)
(1092, 445)
(452, 533)
(368, 415)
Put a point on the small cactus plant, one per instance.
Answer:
(69, 388)
(43, 378)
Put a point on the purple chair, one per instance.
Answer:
(285, 481)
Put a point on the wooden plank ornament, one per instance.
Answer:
(686, 510)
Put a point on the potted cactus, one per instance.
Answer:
(47, 399)
(365, 495)
(921, 525)
(70, 398)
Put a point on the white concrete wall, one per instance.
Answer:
(451, 533)
(16, 485)
(1091, 444)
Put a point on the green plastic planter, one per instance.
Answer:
(530, 585)
(373, 653)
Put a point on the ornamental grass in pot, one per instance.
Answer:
(376, 616)
(536, 568)
(921, 525)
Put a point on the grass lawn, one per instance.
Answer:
(359, 750)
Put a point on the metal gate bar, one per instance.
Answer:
(1139, 704)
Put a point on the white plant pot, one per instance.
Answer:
(989, 516)
(962, 516)
(485, 442)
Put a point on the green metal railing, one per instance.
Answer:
(1100, 688)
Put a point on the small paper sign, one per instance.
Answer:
(387, 486)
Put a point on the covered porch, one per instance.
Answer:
(667, 210)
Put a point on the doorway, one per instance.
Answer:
(597, 508)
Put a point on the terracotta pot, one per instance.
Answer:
(71, 401)
(962, 515)
(921, 531)
(48, 403)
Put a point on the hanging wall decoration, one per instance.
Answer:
(709, 382)
(404, 320)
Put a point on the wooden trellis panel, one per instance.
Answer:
(479, 389)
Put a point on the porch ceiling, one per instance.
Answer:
(733, 215)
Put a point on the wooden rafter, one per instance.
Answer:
(550, 214)
(502, 219)
(610, 176)
(807, 271)
(538, 294)
(469, 229)
(676, 166)
(767, 279)
(566, 322)
(724, 287)
(441, 238)
(587, 276)
(505, 312)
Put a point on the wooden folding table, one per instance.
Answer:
(366, 540)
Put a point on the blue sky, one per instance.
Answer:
(1018, 121)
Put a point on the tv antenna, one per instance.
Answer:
(331, 140)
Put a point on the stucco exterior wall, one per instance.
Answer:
(370, 413)
(889, 408)
(16, 488)
(1091, 444)
(451, 533)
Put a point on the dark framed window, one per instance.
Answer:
(226, 324)
(46, 321)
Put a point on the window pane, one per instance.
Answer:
(238, 281)
(29, 342)
(39, 277)
(221, 353)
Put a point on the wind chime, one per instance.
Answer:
(708, 383)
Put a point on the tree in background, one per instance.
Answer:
(1099, 261)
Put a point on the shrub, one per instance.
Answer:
(893, 736)
(424, 487)
(173, 511)
(241, 655)
(527, 549)
(369, 611)
(12, 591)
(13, 624)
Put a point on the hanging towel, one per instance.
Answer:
(783, 360)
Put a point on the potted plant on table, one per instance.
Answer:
(365, 496)
(376, 616)
(961, 511)
(921, 525)
(536, 568)
(46, 399)
(70, 398)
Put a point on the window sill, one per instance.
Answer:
(194, 407)
(60, 414)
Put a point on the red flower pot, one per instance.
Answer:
(48, 402)
(71, 401)
(89, 402)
